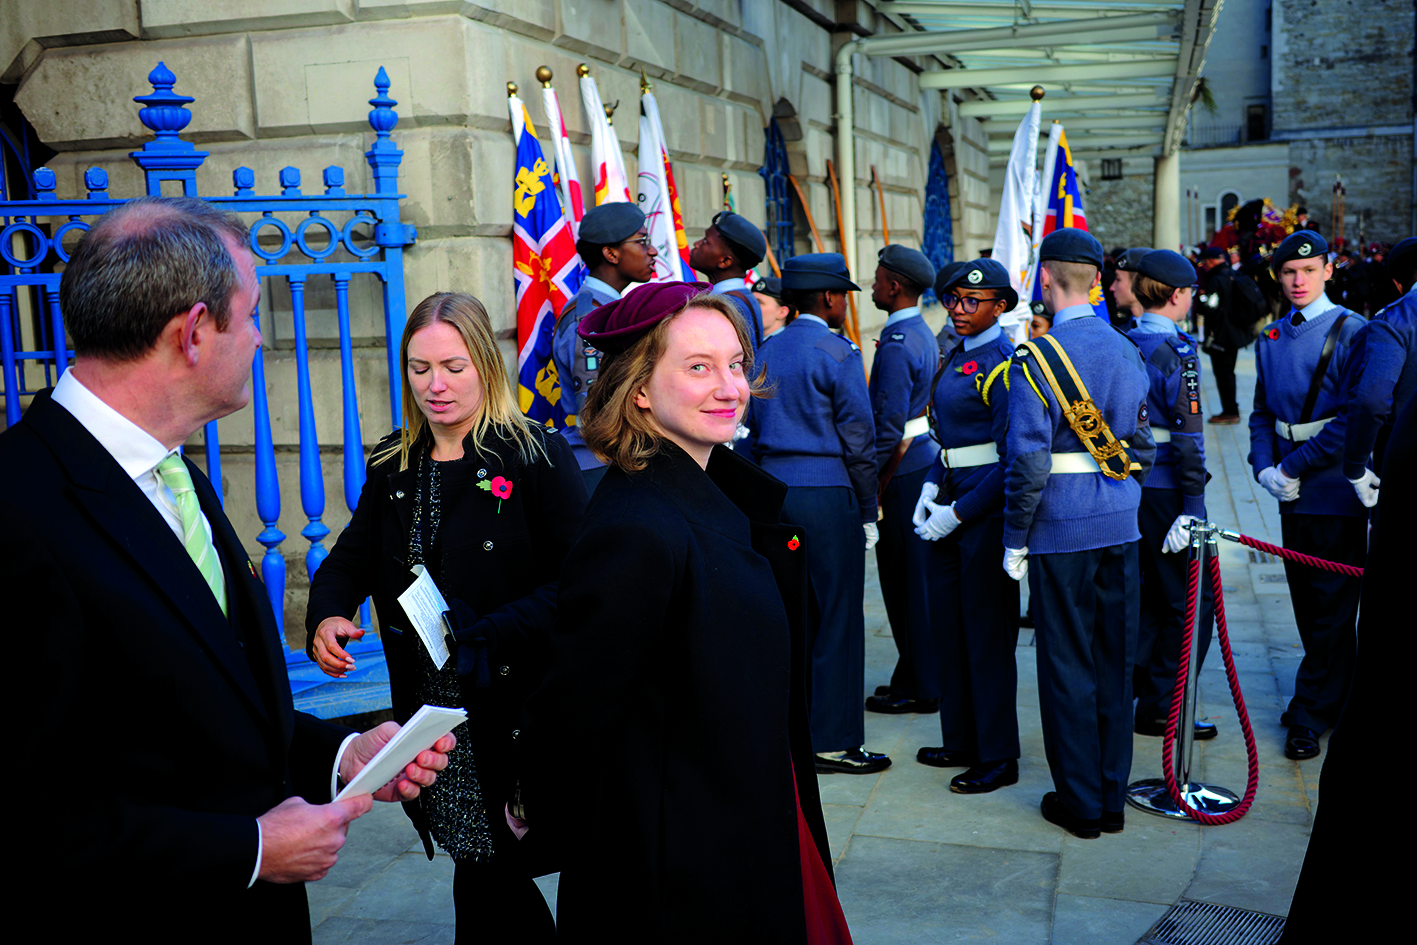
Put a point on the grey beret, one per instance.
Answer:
(817, 272)
(1301, 244)
(771, 286)
(1130, 261)
(745, 239)
(985, 274)
(611, 223)
(1069, 244)
(1169, 268)
(911, 263)
(946, 276)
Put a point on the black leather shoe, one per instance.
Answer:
(1053, 812)
(942, 758)
(1204, 731)
(851, 761)
(1302, 743)
(985, 778)
(882, 690)
(890, 704)
(1113, 821)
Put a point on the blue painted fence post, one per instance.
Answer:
(384, 159)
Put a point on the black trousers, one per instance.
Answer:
(974, 614)
(1222, 366)
(495, 903)
(902, 558)
(1086, 608)
(836, 564)
(1163, 607)
(1326, 610)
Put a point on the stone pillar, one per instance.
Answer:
(1166, 203)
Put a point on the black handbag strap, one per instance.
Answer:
(1316, 384)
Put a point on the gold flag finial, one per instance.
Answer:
(511, 89)
(582, 70)
(645, 84)
(610, 112)
(543, 75)
(1036, 93)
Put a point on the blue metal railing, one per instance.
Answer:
(938, 240)
(32, 242)
(779, 194)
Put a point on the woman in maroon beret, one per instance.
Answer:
(667, 751)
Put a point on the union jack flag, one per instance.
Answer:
(1060, 203)
(546, 270)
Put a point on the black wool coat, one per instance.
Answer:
(501, 564)
(662, 745)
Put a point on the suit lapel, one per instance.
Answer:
(118, 507)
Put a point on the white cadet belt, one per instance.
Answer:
(1160, 435)
(1075, 463)
(961, 457)
(1299, 432)
(917, 427)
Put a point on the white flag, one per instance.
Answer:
(570, 184)
(1012, 244)
(607, 163)
(655, 193)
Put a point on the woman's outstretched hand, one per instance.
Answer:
(328, 648)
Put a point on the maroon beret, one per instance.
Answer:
(613, 328)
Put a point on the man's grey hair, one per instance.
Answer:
(142, 263)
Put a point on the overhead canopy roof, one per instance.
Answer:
(1119, 74)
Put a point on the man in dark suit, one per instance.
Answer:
(178, 790)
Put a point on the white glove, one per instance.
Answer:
(1016, 563)
(928, 492)
(873, 534)
(1179, 536)
(1367, 488)
(1279, 485)
(942, 521)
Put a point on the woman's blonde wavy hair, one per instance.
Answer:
(498, 412)
(619, 431)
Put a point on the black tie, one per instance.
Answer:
(1296, 319)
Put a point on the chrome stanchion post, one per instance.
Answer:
(1151, 794)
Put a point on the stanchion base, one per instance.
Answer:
(1152, 797)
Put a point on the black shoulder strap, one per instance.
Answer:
(1316, 383)
(943, 359)
(753, 328)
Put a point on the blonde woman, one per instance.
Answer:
(488, 502)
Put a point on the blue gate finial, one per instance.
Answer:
(384, 157)
(167, 157)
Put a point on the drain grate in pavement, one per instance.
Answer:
(1261, 557)
(1204, 923)
(1274, 578)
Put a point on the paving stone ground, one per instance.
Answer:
(915, 863)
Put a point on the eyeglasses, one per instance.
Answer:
(643, 241)
(969, 304)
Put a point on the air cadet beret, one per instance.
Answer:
(1169, 268)
(911, 263)
(771, 286)
(745, 239)
(1301, 244)
(946, 275)
(613, 328)
(1214, 252)
(817, 272)
(985, 274)
(1130, 261)
(611, 223)
(1402, 259)
(1069, 244)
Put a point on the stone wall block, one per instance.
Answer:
(166, 18)
(536, 18)
(717, 117)
(592, 27)
(479, 265)
(745, 73)
(683, 118)
(523, 59)
(649, 36)
(729, 11)
(60, 23)
(82, 97)
(697, 54)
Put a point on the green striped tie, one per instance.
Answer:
(173, 472)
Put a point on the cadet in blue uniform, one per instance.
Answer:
(1296, 446)
(1382, 374)
(731, 246)
(615, 247)
(973, 604)
(768, 292)
(1123, 287)
(907, 356)
(816, 434)
(946, 337)
(1174, 494)
(1070, 526)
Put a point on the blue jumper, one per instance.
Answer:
(1382, 375)
(1286, 356)
(1174, 373)
(1051, 514)
(907, 356)
(965, 414)
(815, 428)
(577, 363)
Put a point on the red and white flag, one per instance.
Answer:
(606, 161)
(568, 182)
(659, 199)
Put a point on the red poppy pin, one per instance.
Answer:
(1273, 333)
(969, 367)
(793, 543)
(500, 487)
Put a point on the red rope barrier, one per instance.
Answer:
(1298, 556)
(1183, 670)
